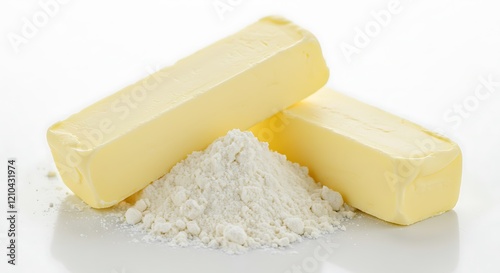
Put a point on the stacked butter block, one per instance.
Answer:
(105, 154)
(380, 163)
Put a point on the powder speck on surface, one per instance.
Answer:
(235, 195)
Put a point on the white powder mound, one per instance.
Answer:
(235, 195)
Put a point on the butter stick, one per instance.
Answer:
(381, 164)
(115, 147)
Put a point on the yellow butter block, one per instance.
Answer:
(115, 147)
(381, 164)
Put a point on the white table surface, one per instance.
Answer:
(429, 59)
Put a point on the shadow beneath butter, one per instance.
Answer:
(371, 245)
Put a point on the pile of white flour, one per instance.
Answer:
(237, 194)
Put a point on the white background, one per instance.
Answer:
(425, 64)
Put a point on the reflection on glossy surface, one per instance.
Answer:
(371, 245)
(86, 241)
(91, 241)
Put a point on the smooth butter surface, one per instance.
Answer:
(381, 164)
(117, 146)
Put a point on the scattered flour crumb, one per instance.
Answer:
(332, 197)
(141, 205)
(235, 234)
(133, 216)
